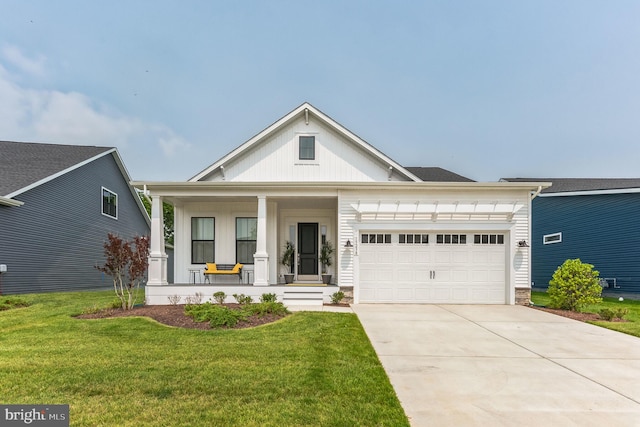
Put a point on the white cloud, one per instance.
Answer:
(73, 118)
(33, 66)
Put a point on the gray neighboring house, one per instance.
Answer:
(57, 205)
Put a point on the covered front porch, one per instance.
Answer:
(247, 228)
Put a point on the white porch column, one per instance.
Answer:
(261, 257)
(157, 255)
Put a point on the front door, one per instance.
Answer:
(308, 251)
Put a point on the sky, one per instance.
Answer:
(487, 89)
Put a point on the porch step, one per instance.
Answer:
(299, 297)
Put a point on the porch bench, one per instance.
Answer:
(222, 270)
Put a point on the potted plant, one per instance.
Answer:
(287, 260)
(326, 259)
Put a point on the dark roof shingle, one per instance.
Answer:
(435, 174)
(25, 163)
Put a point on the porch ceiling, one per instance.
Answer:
(292, 202)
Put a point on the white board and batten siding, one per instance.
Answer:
(275, 159)
(435, 272)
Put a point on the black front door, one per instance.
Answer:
(308, 248)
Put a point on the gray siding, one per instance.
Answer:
(54, 240)
(603, 230)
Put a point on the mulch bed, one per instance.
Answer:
(583, 317)
(173, 315)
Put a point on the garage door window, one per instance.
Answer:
(376, 238)
(488, 239)
(415, 239)
(451, 239)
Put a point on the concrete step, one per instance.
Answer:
(299, 297)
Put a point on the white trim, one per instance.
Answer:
(102, 190)
(5, 201)
(62, 172)
(592, 192)
(548, 236)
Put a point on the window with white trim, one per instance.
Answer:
(109, 203)
(549, 239)
(246, 239)
(306, 147)
(202, 240)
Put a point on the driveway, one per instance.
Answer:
(464, 365)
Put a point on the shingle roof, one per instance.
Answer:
(565, 185)
(25, 163)
(435, 174)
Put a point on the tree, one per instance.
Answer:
(574, 285)
(126, 262)
(167, 217)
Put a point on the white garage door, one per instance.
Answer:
(447, 268)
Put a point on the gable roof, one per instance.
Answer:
(579, 185)
(306, 110)
(26, 164)
(435, 174)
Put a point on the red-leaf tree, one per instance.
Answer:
(126, 262)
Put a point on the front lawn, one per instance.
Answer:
(632, 327)
(307, 369)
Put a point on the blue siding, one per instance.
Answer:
(603, 230)
(54, 240)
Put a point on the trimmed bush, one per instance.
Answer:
(610, 314)
(269, 298)
(337, 297)
(267, 308)
(574, 285)
(217, 315)
(219, 297)
(243, 299)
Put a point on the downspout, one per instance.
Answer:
(533, 196)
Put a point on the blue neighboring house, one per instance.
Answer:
(596, 220)
(57, 205)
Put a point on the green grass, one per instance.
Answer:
(308, 369)
(632, 327)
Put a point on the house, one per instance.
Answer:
(57, 205)
(596, 220)
(401, 235)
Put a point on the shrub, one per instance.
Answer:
(194, 299)
(270, 307)
(610, 314)
(269, 298)
(574, 285)
(243, 299)
(337, 297)
(219, 297)
(126, 261)
(174, 299)
(217, 315)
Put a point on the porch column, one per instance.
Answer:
(261, 257)
(157, 255)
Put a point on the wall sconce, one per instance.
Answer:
(523, 244)
(348, 245)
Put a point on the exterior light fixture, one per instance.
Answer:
(523, 244)
(348, 245)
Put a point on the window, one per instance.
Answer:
(376, 238)
(307, 146)
(246, 236)
(451, 239)
(415, 239)
(548, 239)
(202, 240)
(488, 239)
(109, 203)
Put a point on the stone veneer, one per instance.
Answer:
(523, 296)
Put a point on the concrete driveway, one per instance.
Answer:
(463, 365)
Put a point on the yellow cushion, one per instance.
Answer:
(211, 267)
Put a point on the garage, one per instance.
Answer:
(432, 267)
